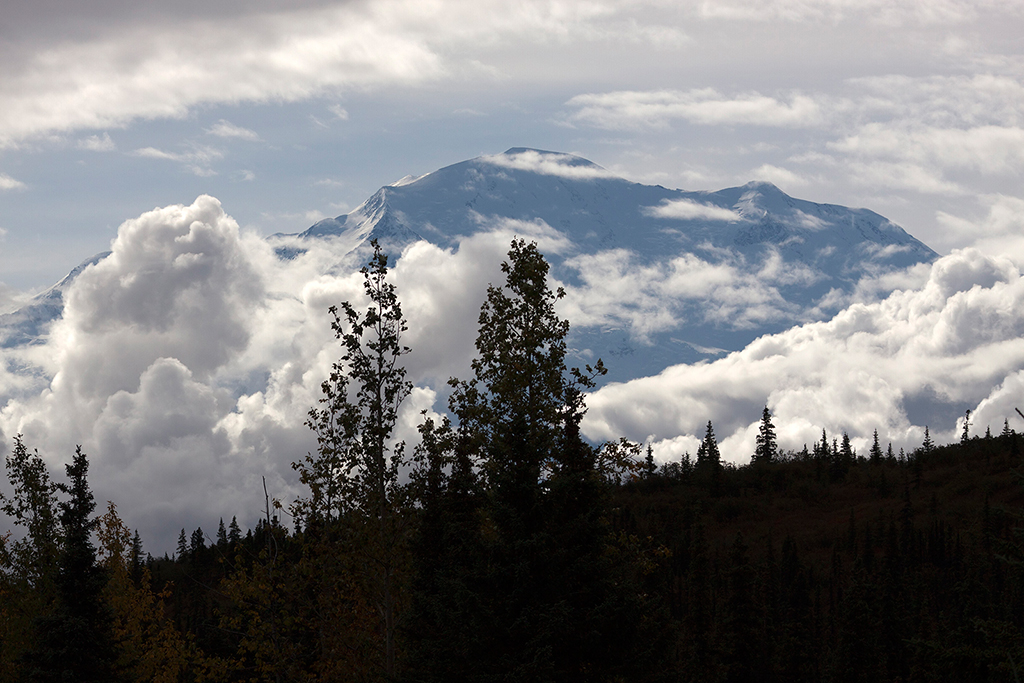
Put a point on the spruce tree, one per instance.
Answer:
(197, 544)
(514, 408)
(709, 462)
(650, 468)
(767, 450)
(557, 607)
(742, 637)
(182, 547)
(848, 455)
(708, 456)
(927, 445)
(234, 532)
(821, 449)
(222, 535)
(876, 451)
(447, 623)
(74, 642)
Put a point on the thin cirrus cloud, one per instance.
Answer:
(942, 12)
(197, 158)
(226, 129)
(987, 150)
(937, 136)
(706, 106)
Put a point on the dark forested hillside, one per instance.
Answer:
(503, 547)
(905, 568)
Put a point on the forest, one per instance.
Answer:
(505, 547)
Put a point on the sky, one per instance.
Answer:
(147, 127)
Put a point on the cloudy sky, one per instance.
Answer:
(289, 112)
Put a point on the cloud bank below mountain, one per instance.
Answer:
(186, 361)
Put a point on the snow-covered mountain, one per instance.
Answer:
(655, 276)
(686, 275)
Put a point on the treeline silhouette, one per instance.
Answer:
(505, 548)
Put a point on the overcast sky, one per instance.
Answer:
(189, 384)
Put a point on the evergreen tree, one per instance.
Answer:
(875, 456)
(222, 535)
(708, 456)
(197, 544)
(848, 455)
(709, 462)
(557, 607)
(841, 458)
(700, 661)
(136, 560)
(927, 446)
(182, 547)
(796, 639)
(514, 408)
(767, 449)
(447, 622)
(74, 642)
(965, 435)
(741, 635)
(234, 532)
(650, 468)
(821, 449)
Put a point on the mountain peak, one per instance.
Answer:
(528, 158)
(763, 186)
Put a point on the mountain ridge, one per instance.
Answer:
(721, 267)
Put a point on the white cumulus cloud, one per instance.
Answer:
(949, 342)
(187, 360)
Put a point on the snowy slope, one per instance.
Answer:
(29, 324)
(794, 260)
